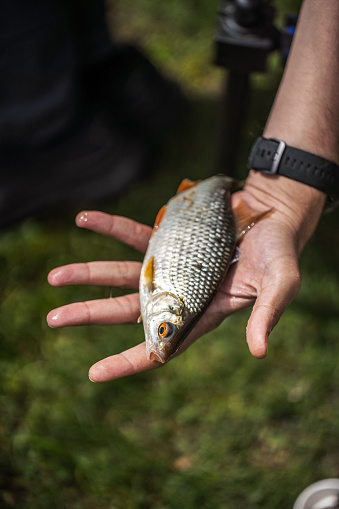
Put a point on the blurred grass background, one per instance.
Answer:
(213, 429)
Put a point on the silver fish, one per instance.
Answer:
(188, 255)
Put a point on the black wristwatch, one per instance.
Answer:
(274, 157)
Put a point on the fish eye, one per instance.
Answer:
(166, 329)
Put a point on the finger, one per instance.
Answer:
(120, 310)
(127, 363)
(120, 274)
(130, 232)
(271, 303)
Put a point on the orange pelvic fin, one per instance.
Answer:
(159, 217)
(245, 218)
(186, 184)
(149, 274)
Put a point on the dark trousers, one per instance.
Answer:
(45, 45)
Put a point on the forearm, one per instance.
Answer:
(306, 110)
(305, 115)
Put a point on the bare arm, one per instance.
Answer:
(305, 115)
(306, 109)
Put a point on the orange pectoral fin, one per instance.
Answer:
(245, 218)
(186, 184)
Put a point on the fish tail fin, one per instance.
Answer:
(246, 217)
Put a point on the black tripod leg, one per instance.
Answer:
(232, 116)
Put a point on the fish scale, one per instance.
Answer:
(189, 253)
(192, 247)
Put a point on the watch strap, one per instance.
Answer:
(274, 157)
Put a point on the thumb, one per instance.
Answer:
(276, 293)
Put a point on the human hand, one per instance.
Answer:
(266, 275)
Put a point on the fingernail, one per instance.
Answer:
(82, 217)
(52, 320)
(90, 377)
(54, 276)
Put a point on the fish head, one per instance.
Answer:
(164, 325)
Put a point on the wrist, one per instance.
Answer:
(275, 157)
(295, 204)
(305, 138)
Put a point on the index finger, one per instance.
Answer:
(130, 232)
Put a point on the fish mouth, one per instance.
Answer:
(156, 357)
(160, 350)
(162, 354)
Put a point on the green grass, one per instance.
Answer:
(213, 429)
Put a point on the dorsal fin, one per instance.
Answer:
(245, 218)
(186, 184)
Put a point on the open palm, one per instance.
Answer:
(265, 276)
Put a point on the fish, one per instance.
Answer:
(190, 250)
